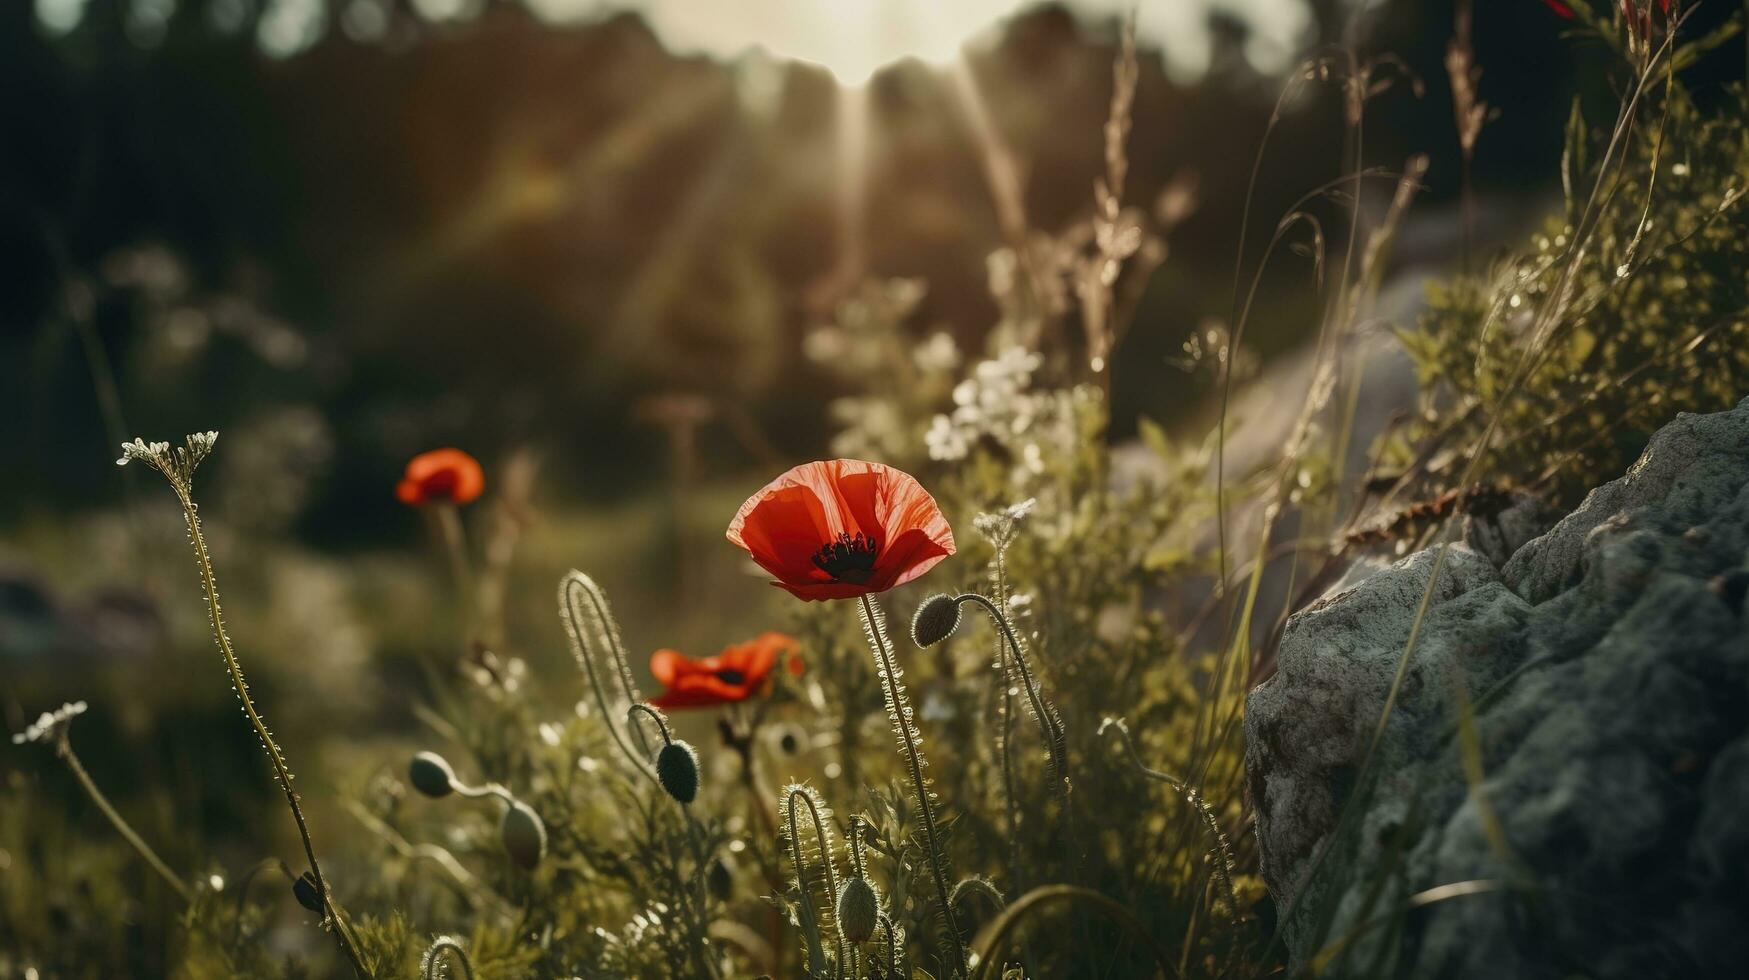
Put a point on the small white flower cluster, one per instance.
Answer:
(52, 725)
(177, 464)
(998, 526)
(937, 354)
(994, 401)
(146, 452)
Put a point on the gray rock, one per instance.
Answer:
(1605, 670)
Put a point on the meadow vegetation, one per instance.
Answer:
(1025, 761)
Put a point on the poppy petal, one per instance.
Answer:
(911, 555)
(666, 666)
(783, 530)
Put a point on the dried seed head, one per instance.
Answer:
(430, 774)
(858, 909)
(677, 770)
(935, 620)
(524, 836)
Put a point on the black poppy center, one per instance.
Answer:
(848, 559)
(731, 676)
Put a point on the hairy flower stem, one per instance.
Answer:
(700, 849)
(1048, 727)
(434, 964)
(908, 741)
(810, 917)
(893, 972)
(65, 750)
(587, 626)
(1223, 850)
(336, 920)
(1005, 704)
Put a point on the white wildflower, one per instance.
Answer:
(946, 441)
(937, 354)
(51, 726)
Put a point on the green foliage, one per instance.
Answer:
(1631, 307)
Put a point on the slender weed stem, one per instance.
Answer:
(178, 467)
(64, 749)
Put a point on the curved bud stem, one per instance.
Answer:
(1223, 851)
(979, 886)
(892, 948)
(480, 792)
(811, 917)
(1050, 726)
(655, 716)
(593, 634)
(856, 845)
(910, 742)
(443, 948)
(991, 940)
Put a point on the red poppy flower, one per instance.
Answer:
(842, 528)
(441, 476)
(1561, 10)
(736, 674)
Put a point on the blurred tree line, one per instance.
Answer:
(498, 232)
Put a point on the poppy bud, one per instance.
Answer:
(935, 620)
(304, 890)
(858, 909)
(720, 880)
(524, 836)
(430, 774)
(677, 771)
(789, 740)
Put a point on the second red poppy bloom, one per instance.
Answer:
(736, 674)
(441, 476)
(842, 528)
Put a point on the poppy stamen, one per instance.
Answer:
(729, 676)
(848, 559)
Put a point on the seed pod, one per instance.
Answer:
(524, 836)
(304, 890)
(935, 620)
(858, 909)
(677, 770)
(430, 774)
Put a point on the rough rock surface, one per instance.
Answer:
(1605, 666)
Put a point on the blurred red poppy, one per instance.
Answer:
(736, 674)
(1561, 9)
(842, 528)
(441, 476)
